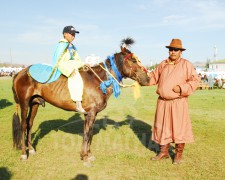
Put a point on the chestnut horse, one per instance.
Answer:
(29, 94)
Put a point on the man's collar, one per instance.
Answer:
(172, 62)
(64, 40)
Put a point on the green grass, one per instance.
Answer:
(121, 142)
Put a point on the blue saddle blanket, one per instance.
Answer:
(42, 73)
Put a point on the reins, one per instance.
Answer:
(122, 85)
(94, 73)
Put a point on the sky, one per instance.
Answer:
(30, 30)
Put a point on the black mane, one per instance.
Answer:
(128, 41)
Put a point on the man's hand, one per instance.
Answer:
(177, 89)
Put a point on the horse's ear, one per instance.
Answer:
(123, 49)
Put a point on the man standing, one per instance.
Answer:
(176, 79)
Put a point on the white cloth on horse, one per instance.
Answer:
(92, 60)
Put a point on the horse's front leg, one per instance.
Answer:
(87, 138)
(90, 156)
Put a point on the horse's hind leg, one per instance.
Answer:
(24, 110)
(32, 114)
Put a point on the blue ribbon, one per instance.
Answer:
(104, 85)
(114, 68)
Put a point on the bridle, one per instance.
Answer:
(133, 68)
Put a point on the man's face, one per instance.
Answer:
(69, 37)
(174, 54)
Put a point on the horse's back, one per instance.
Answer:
(23, 85)
(22, 79)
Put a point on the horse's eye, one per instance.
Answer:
(134, 60)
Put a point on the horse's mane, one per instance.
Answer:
(95, 68)
(128, 42)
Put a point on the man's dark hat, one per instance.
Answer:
(176, 43)
(70, 30)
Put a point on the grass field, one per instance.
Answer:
(121, 142)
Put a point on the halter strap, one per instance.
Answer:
(128, 56)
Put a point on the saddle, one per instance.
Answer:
(44, 73)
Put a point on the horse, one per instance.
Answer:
(30, 94)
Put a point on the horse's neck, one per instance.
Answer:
(101, 69)
(100, 72)
(109, 68)
(118, 62)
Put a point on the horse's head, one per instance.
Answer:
(131, 66)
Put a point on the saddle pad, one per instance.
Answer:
(42, 73)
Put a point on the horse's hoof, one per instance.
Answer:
(23, 157)
(91, 158)
(32, 152)
(87, 164)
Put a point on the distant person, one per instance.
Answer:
(205, 79)
(210, 81)
(69, 62)
(176, 79)
(223, 81)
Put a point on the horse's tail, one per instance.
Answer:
(16, 131)
(16, 127)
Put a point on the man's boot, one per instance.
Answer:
(164, 153)
(178, 153)
(79, 108)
